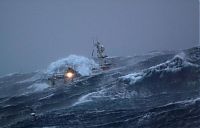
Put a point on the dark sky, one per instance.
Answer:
(34, 33)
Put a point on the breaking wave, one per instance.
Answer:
(81, 64)
(174, 65)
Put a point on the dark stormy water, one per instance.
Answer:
(154, 90)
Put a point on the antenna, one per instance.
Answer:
(93, 49)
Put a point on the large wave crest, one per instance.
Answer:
(81, 64)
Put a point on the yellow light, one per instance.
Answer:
(69, 75)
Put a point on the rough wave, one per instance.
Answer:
(37, 87)
(162, 91)
(174, 65)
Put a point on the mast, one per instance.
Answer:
(199, 24)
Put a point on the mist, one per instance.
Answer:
(33, 33)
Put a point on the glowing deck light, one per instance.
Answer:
(69, 75)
